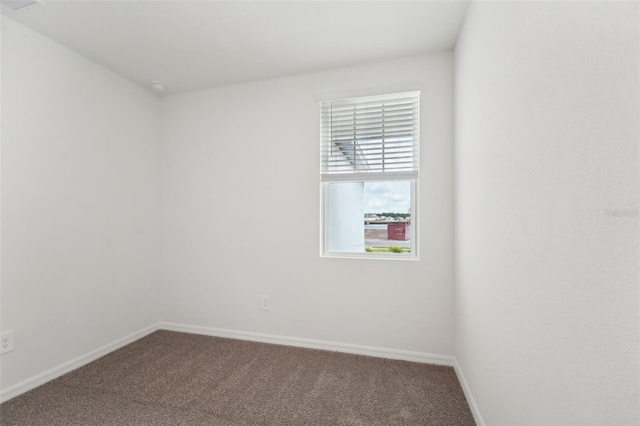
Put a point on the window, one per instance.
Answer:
(369, 175)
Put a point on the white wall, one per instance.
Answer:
(80, 204)
(546, 143)
(240, 179)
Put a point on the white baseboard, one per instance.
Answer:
(313, 344)
(467, 393)
(42, 378)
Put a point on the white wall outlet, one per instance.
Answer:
(6, 342)
(264, 303)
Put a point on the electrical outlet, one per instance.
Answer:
(6, 342)
(264, 305)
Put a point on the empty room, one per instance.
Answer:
(320, 213)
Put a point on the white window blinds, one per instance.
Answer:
(370, 138)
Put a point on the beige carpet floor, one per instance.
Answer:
(170, 378)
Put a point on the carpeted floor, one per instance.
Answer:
(170, 378)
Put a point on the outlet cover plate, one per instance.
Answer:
(6, 342)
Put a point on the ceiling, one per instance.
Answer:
(192, 45)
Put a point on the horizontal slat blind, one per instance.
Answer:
(375, 137)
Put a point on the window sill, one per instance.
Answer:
(368, 256)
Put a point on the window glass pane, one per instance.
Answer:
(369, 217)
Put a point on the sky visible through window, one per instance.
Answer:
(387, 197)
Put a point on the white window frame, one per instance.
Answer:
(412, 177)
